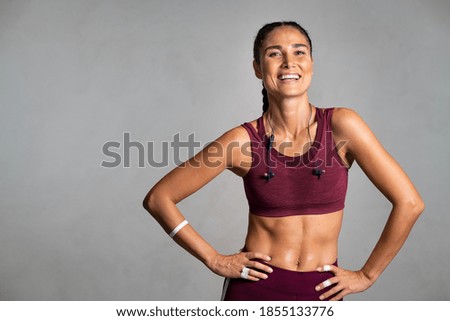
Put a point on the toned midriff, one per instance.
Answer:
(298, 242)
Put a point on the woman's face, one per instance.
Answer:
(286, 65)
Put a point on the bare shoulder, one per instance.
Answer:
(347, 124)
(234, 144)
(235, 135)
(345, 119)
(353, 133)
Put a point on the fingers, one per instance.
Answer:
(255, 269)
(256, 255)
(259, 266)
(338, 296)
(336, 289)
(335, 294)
(344, 282)
(254, 275)
(329, 282)
(328, 268)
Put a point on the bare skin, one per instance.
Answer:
(299, 242)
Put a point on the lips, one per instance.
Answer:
(289, 76)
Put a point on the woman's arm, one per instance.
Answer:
(184, 180)
(386, 174)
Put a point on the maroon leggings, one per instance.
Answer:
(281, 285)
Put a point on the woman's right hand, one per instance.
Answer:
(231, 266)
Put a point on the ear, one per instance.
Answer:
(257, 69)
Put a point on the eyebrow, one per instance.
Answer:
(295, 45)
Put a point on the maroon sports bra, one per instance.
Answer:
(312, 183)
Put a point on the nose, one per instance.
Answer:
(288, 62)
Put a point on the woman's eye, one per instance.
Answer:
(299, 53)
(274, 54)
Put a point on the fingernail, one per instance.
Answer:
(326, 268)
(317, 288)
(270, 270)
(265, 276)
(321, 297)
(269, 258)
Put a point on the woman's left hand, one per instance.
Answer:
(345, 281)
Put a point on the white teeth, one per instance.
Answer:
(289, 76)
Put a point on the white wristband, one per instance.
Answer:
(178, 228)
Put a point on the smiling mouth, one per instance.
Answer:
(289, 77)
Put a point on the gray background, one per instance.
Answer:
(77, 74)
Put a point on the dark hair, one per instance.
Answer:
(261, 36)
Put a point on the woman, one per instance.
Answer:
(295, 179)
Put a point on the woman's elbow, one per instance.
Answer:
(419, 206)
(416, 206)
(150, 202)
(146, 202)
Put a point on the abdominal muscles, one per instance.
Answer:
(299, 242)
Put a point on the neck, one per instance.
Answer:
(289, 116)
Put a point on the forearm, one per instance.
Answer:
(168, 216)
(395, 233)
(195, 244)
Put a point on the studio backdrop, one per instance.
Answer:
(99, 99)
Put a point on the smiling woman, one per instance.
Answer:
(304, 48)
(295, 180)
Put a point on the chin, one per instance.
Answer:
(293, 93)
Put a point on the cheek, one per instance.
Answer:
(268, 73)
(307, 67)
(268, 68)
